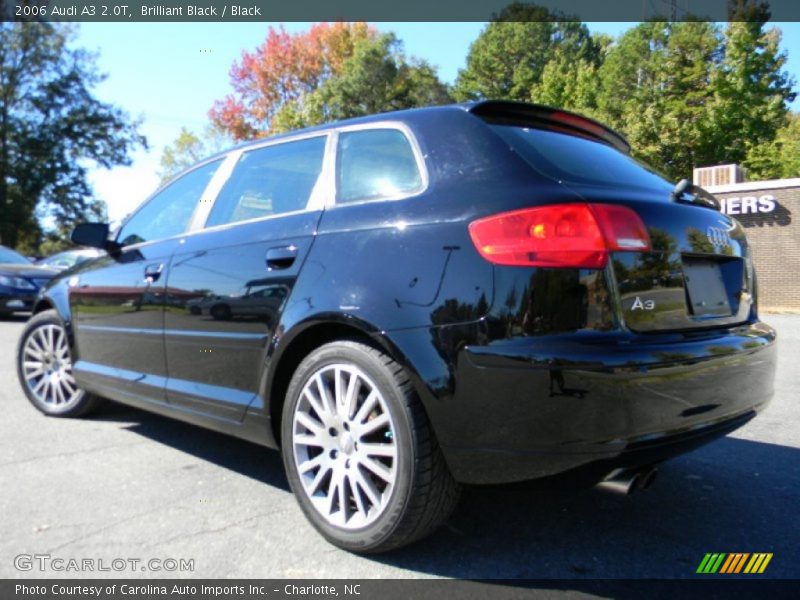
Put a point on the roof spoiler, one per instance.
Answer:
(523, 112)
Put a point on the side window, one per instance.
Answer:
(374, 164)
(168, 213)
(270, 181)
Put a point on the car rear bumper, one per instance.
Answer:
(532, 407)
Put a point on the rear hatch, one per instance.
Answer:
(697, 272)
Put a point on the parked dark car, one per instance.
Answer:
(69, 258)
(20, 281)
(482, 293)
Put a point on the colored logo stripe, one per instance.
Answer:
(758, 563)
(734, 562)
(710, 563)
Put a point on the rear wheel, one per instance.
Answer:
(44, 367)
(360, 454)
(221, 312)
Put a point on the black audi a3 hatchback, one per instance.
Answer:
(403, 303)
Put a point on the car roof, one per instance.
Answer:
(500, 109)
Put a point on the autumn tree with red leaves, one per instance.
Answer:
(290, 80)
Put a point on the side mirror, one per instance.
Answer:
(94, 235)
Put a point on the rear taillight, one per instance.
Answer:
(575, 235)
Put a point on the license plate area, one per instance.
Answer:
(706, 293)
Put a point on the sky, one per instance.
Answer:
(170, 74)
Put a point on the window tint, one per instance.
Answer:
(375, 163)
(167, 213)
(270, 181)
(575, 159)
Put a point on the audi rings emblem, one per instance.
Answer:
(718, 236)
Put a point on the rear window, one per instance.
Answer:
(574, 159)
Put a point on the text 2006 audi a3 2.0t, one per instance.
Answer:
(481, 293)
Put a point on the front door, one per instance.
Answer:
(117, 302)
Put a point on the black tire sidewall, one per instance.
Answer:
(373, 535)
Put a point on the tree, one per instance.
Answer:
(56, 238)
(568, 84)
(51, 130)
(752, 88)
(657, 88)
(330, 72)
(511, 54)
(189, 148)
(779, 158)
(280, 72)
(686, 94)
(377, 78)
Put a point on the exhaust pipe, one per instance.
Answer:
(627, 481)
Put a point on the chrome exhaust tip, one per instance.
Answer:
(627, 481)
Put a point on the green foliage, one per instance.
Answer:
(189, 148)
(57, 238)
(752, 88)
(377, 78)
(685, 94)
(688, 94)
(656, 87)
(329, 72)
(568, 84)
(779, 158)
(51, 130)
(511, 54)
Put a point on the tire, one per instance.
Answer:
(44, 368)
(220, 312)
(366, 487)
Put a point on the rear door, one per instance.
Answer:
(228, 283)
(117, 301)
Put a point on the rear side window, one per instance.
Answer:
(168, 212)
(374, 164)
(575, 159)
(270, 181)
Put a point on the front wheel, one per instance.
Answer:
(360, 454)
(44, 368)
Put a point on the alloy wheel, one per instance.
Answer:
(343, 440)
(47, 368)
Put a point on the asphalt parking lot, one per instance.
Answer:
(127, 484)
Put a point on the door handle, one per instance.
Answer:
(281, 257)
(153, 272)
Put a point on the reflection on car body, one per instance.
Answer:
(259, 299)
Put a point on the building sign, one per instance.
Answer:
(756, 210)
(748, 205)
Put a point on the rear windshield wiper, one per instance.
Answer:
(685, 191)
